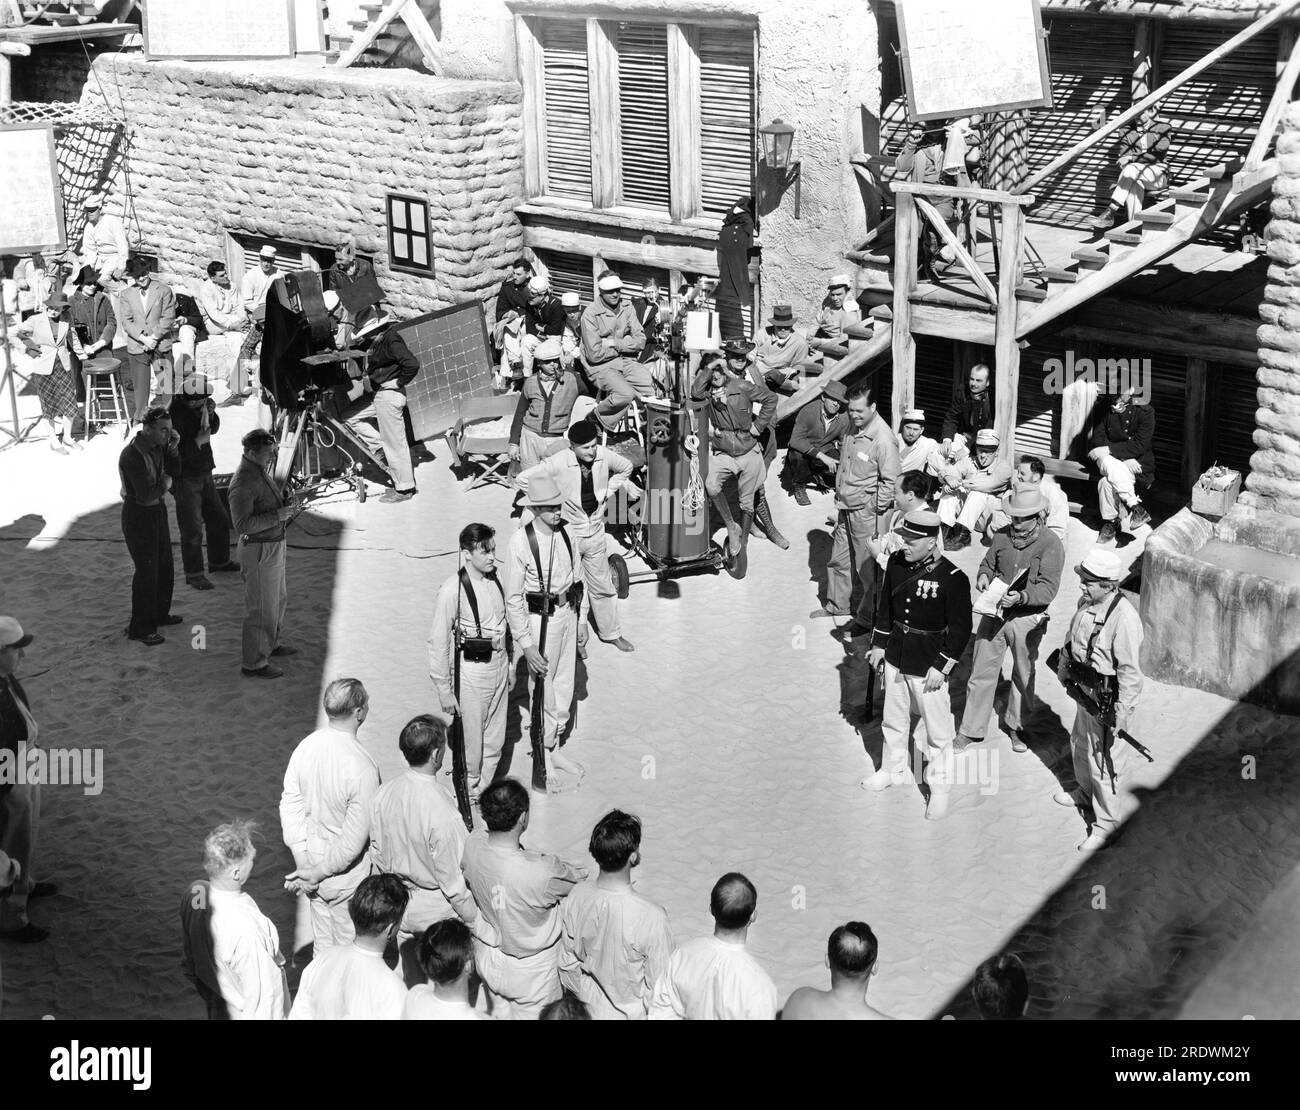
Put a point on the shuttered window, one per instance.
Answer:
(289, 257)
(727, 125)
(1235, 399)
(1169, 400)
(634, 278)
(934, 380)
(568, 109)
(643, 114)
(1038, 413)
(569, 273)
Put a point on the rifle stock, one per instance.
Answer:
(459, 772)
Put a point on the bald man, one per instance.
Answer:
(851, 956)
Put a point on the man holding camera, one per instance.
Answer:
(259, 511)
(148, 466)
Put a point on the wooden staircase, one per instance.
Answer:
(384, 29)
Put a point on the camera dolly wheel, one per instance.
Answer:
(359, 486)
(618, 572)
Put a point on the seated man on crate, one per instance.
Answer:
(970, 487)
(1143, 150)
(1124, 453)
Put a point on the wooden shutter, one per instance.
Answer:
(288, 256)
(1235, 399)
(727, 127)
(1038, 414)
(643, 114)
(933, 384)
(1091, 64)
(569, 273)
(1169, 400)
(568, 109)
(634, 277)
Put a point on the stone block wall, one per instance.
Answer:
(1274, 479)
(290, 150)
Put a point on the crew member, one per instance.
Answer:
(814, 451)
(738, 353)
(1031, 474)
(252, 292)
(865, 482)
(971, 488)
(571, 339)
(199, 511)
(733, 450)
(915, 448)
(1124, 453)
(541, 576)
(545, 406)
(612, 339)
(389, 368)
(782, 353)
(470, 617)
(103, 242)
(839, 312)
(589, 476)
(1101, 657)
(923, 621)
(971, 408)
(1030, 548)
(259, 512)
(543, 319)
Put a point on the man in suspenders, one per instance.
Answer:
(470, 617)
(543, 596)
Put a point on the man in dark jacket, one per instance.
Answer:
(20, 803)
(1123, 449)
(198, 508)
(390, 368)
(814, 449)
(971, 408)
(148, 466)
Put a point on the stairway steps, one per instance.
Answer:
(1027, 292)
(1091, 258)
(1128, 235)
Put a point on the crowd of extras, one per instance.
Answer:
(409, 913)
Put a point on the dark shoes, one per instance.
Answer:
(958, 537)
(396, 496)
(268, 671)
(28, 934)
(228, 567)
(1138, 517)
(171, 618)
(1107, 533)
(284, 649)
(151, 639)
(43, 890)
(830, 609)
(199, 582)
(801, 496)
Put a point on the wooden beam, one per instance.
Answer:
(602, 86)
(1194, 387)
(1282, 11)
(418, 24)
(1006, 350)
(906, 232)
(944, 322)
(1273, 114)
(1118, 320)
(532, 76)
(955, 192)
(968, 263)
(860, 357)
(661, 256)
(370, 34)
(684, 120)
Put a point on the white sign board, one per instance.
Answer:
(967, 56)
(309, 27)
(218, 28)
(31, 216)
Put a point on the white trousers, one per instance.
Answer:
(904, 695)
(520, 987)
(1110, 802)
(968, 509)
(601, 599)
(1135, 181)
(484, 695)
(1116, 489)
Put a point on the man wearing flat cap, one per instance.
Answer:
(839, 311)
(589, 476)
(782, 353)
(971, 487)
(612, 338)
(541, 576)
(545, 405)
(1029, 558)
(814, 451)
(922, 625)
(1101, 656)
(103, 242)
(543, 319)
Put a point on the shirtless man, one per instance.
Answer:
(851, 956)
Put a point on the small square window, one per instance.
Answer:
(409, 248)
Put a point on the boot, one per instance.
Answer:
(738, 564)
(764, 515)
(732, 544)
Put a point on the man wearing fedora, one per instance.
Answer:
(589, 476)
(971, 487)
(541, 574)
(1029, 548)
(921, 628)
(103, 242)
(20, 803)
(838, 312)
(199, 510)
(612, 339)
(782, 353)
(1101, 655)
(149, 320)
(814, 450)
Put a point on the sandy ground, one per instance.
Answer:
(735, 731)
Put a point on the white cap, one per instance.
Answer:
(538, 284)
(570, 299)
(1101, 563)
(11, 634)
(913, 416)
(331, 300)
(95, 200)
(267, 251)
(610, 281)
(548, 350)
(987, 437)
(840, 279)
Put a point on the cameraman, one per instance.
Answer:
(259, 511)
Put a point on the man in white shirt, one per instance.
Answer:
(446, 955)
(714, 978)
(325, 813)
(103, 242)
(614, 944)
(519, 893)
(352, 982)
(245, 944)
(1031, 474)
(851, 956)
(838, 312)
(226, 321)
(417, 835)
(914, 446)
(252, 290)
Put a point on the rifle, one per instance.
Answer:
(1105, 716)
(459, 772)
(537, 722)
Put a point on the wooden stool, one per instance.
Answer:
(105, 396)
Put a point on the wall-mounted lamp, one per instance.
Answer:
(777, 138)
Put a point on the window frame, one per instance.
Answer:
(407, 265)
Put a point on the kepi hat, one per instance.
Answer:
(538, 284)
(913, 416)
(840, 279)
(267, 251)
(918, 524)
(570, 299)
(95, 200)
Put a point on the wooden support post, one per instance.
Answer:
(1006, 351)
(906, 232)
(1195, 386)
(1143, 58)
(684, 120)
(1290, 70)
(532, 75)
(602, 83)
(417, 23)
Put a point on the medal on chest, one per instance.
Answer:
(926, 588)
